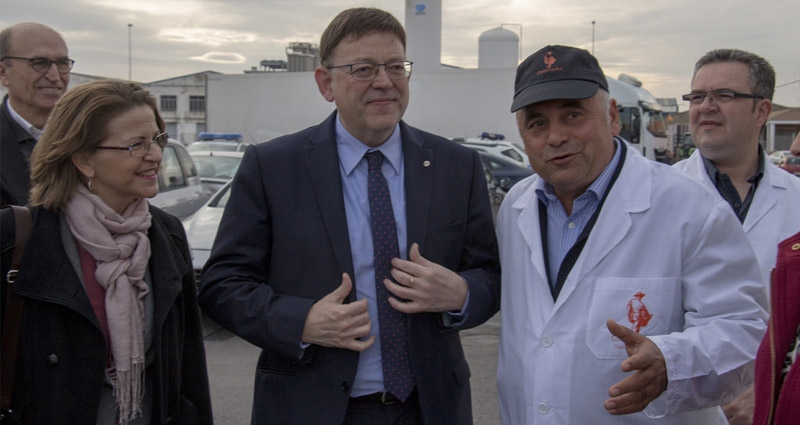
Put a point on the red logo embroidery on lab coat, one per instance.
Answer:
(638, 314)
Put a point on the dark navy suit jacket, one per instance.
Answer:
(15, 179)
(283, 244)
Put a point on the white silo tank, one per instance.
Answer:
(424, 33)
(498, 48)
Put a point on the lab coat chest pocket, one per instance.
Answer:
(643, 304)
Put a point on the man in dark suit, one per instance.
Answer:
(296, 270)
(34, 68)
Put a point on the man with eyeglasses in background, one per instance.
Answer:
(730, 102)
(353, 252)
(34, 68)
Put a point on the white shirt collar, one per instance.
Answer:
(33, 131)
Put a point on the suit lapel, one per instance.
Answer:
(768, 193)
(167, 269)
(419, 165)
(322, 162)
(47, 274)
(15, 171)
(614, 221)
(528, 226)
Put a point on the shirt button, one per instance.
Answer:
(52, 358)
(547, 341)
(571, 225)
(543, 408)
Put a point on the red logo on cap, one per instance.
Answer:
(549, 61)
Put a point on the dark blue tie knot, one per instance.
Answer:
(374, 159)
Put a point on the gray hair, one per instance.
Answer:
(761, 74)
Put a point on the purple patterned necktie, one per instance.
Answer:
(394, 332)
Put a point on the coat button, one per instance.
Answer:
(170, 420)
(52, 358)
(345, 386)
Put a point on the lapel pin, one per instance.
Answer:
(426, 164)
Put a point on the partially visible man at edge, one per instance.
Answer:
(777, 380)
(34, 68)
(729, 103)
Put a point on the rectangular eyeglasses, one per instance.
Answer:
(366, 71)
(142, 147)
(63, 65)
(717, 97)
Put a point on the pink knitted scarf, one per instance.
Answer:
(119, 245)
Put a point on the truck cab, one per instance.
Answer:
(641, 118)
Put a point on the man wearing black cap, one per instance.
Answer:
(628, 293)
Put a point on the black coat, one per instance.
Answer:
(15, 179)
(62, 351)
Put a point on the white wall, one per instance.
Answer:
(423, 26)
(448, 102)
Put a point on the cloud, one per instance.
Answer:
(206, 36)
(658, 42)
(226, 58)
(151, 7)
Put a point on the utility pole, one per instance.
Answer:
(129, 51)
(592, 38)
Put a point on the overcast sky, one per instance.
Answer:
(657, 41)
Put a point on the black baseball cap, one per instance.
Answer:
(557, 72)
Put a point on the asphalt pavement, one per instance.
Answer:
(232, 363)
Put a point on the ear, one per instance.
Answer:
(324, 82)
(83, 162)
(4, 74)
(763, 109)
(614, 118)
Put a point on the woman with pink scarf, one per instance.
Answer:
(110, 330)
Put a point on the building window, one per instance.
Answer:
(197, 103)
(169, 103)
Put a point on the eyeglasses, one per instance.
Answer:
(63, 65)
(718, 97)
(142, 147)
(365, 71)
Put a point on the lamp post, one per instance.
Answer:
(129, 51)
(592, 38)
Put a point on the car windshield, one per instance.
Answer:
(511, 153)
(222, 197)
(654, 122)
(217, 167)
(213, 146)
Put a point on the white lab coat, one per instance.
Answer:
(659, 234)
(774, 213)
